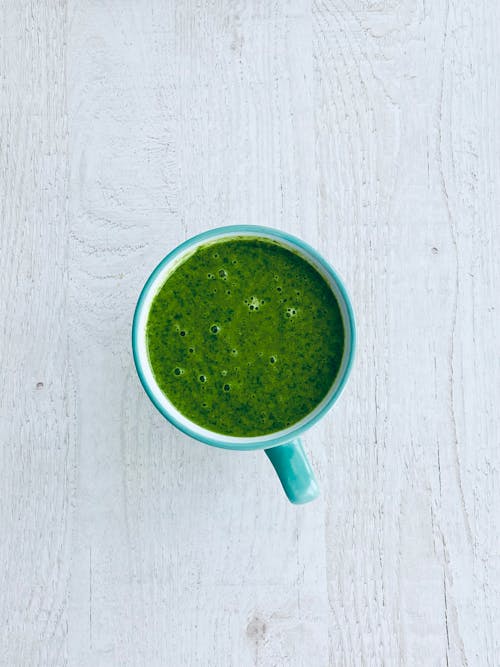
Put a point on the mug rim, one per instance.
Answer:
(251, 442)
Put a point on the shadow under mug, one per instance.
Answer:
(284, 448)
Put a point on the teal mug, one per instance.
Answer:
(284, 448)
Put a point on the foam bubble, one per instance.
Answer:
(254, 303)
(272, 360)
(226, 387)
(182, 333)
(203, 378)
(178, 371)
(223, 274)
(215, 328)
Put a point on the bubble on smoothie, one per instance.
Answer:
(182, 332)
(234, 351)
(291, 312)
(278, 289)
(226, 387)
(223, 372)
(203, 378)
(223, 274)
(178, 371)
(216, 255)
(253, 303)
(272, 360)
(228, 291)
(210, 276)
(191, 350)
(215, 328)
(234, 261)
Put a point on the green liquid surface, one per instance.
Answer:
(245, 337)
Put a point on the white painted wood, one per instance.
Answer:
(368, 128)
(39, 393)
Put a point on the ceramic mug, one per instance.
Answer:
(284, 448)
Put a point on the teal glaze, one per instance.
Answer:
(295, 472)
(289, 459)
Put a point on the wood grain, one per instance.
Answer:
(38, 401)
(370, 129)
(406, 181)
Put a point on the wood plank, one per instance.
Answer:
(192, 555)
(37, 401)
(407, 139)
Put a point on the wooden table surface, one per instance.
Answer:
(371, 129)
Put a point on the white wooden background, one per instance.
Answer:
(371, 129)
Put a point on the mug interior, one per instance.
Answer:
(139, 339)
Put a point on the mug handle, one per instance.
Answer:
(295, 472)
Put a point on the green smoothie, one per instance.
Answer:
(245, 337)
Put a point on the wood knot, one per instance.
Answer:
(256, 629)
